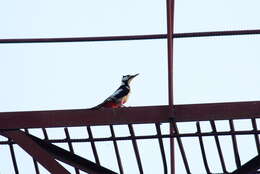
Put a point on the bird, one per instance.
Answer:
(120, 96)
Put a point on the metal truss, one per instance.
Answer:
(45, 152)
(15, 126)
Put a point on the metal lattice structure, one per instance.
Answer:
(15, 126)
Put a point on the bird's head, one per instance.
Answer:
(128, 78)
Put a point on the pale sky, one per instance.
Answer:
(47, 76)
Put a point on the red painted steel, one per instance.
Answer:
(216, 33)
(133, 115)
(170, 28)
(235, 145)
(11, 147)
(83, 117)
(177, 135)
(202, 148)
(70, 158)
(250, 167)
(133, 37)
(118, 158)
(217, 111)
(70, 146)
(84, 39)
(220, 153)
(253, 120)
(36, 152)
(34, 161)
(136, 150)
(93, 146)
(160, 141)
(170, 49)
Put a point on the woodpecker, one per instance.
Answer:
(120, 96)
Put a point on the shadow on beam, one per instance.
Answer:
(250, 167)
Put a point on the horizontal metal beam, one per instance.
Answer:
(83, 117)
(216, 33)
(129, 115)
(204, 134)
(84, 39)
(217, 111)
(131, 37)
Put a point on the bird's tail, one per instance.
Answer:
(95, 107)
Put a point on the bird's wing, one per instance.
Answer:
(115, 97)
(118, 94)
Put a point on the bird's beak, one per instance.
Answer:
(133, 76)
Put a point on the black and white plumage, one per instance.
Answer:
(120, 96)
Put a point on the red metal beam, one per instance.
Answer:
(83, 117)
(84, 39)
(133, 37)
(129, 115)
(71, 159)
(216, 33)
(35, 151)
(217, 111)
(250, 167)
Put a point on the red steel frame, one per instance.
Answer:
(45, 153)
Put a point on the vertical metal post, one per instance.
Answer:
(170, 8)
(170, 5)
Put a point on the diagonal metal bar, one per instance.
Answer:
(203, 153)
(34, 161)
(137, 155)
(250, 167)
(159, 133)
(35, 151)
(184, 158)
(221, 157)
(71, 159)
(93, 145)
(11, 147)
(116, 150)
(70, 145)
(234, 143)
(256, 135)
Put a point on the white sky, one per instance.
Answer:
(80, 75)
